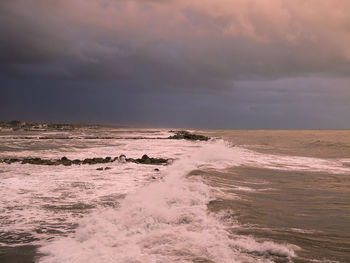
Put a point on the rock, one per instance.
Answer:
(93, 160)
(98, 160)
(35, 161)
(39, 161)
(179, 135)
(100, 169)
(24, 161)
(87, 161)
(47, 162)
(156, 169)
(153, 177)
(76, 161)
(122, 158)
(65, 161)
(147, 160)
(108, 168)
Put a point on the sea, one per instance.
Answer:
(243, 196)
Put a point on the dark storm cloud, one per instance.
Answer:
(227, 41)
(26, 38)
(249, 61)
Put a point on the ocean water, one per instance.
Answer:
(243, 196)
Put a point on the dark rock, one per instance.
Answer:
(65, 161)
(100, 169)
(87, 161)
(144, 159)
(35, 161)
(157, 170)
(98, 160)
(179, 135)
(153, 177)
(24, 161)
(39, 161)
(47, 162)
(147, 160)
(76, 161)
(54, 138)
(108, 168)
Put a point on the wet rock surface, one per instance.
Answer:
(180, 135)
(101, 168)
(148, 160)
(145, 159)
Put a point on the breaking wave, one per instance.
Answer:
(165, 221)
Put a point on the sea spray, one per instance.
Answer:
(166, 221)
(164, 217)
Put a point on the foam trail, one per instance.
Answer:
(166, 221)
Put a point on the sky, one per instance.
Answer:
(216, 64)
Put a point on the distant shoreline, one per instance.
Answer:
(17, 125)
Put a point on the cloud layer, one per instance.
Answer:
(215, 47)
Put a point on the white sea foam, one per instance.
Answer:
(292, 163)
(166, 221)
(162, 220)
(41, 199)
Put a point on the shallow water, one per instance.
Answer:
(220, 201)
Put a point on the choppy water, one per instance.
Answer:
(216, 203)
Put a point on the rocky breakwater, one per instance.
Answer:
(67, 162)
(185, 135)
(148, 160)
